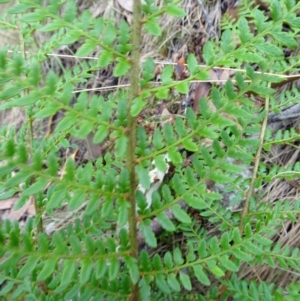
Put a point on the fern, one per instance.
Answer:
(104, 250)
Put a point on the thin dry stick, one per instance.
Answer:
(156, 83)
(287, 113)
(256, 164)
(286, 77)
(252, 184)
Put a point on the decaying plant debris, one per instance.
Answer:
(179, 38)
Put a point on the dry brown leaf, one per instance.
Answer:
(31, 209)
(166, 117)
(225, 75)
(18, 214)
(202, 91)
(180, 69)
(8, 204)
(94, 150)
(213, 75)
(221, 75)
(233, 13)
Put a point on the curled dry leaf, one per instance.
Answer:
(63, 172)
(157, 72)
(166, 117)
(181, 72)
(156, 179)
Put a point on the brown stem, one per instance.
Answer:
(31, 135)
(131, 134)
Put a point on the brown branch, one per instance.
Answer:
(131, 135)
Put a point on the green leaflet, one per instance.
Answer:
(133, 269)
(149, 236)
(214, 268)
(86, 48)
(121, 145)
(39, 15)
(181, 215)
(114, 267)
(175, 11)
(56, 24)
(160, 163)
(105, 58)
(36, 187)
(153, 28)
(182, 87)
(77, 199)
(100, 135)
(86, 270)
(165, 222)
(122, 67)
(57, 196)
(162, 284)
(20, 8)
(137, 106)
(69, 268)
(178, 257)
(201, 275)
(185, 281)
(173, 282)
(48, 268)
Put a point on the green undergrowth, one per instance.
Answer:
(99, 256)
